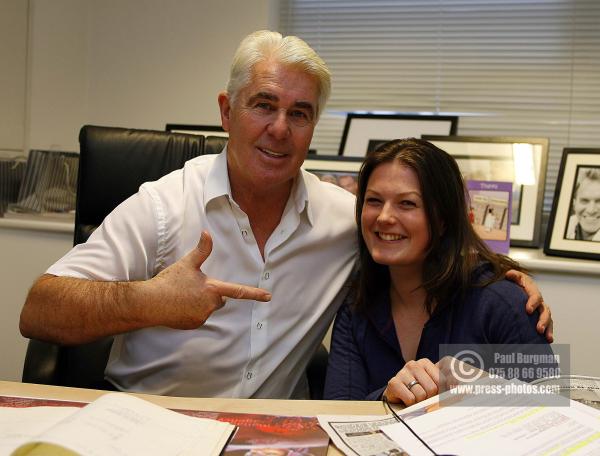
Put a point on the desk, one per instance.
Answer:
(266, 406)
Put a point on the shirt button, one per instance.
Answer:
(248, 375)
(259, 325)
(266, 276)
(244, 233)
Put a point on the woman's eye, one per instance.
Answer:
(408, 203)
(371, 201)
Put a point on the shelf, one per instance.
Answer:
(536, 261)
(38, 223)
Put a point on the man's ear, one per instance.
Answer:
(225, 109)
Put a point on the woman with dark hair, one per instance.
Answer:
(425, 279)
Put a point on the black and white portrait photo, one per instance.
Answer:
(574, 223)
(584, 216)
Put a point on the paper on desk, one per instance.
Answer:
(360, 435)
(19, 425)
(116, 424)
(497, 430)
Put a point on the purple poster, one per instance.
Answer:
(490, 212)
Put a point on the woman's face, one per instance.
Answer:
(394, 223)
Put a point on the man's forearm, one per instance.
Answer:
(73, 311)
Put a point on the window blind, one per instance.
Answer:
(507, 68)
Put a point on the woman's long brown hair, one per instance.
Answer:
(455, 250)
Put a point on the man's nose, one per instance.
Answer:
(279, 125)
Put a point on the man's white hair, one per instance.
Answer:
(290, 50)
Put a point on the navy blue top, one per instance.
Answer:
(365, 353)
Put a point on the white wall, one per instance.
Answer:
(131, 63)
(57, 98)
(574, 302)
(26, 255)
(13, 61)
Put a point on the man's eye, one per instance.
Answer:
(299, 115)
(263, 106)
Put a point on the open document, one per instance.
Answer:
(472, 425)
(115, 424)
(476, 427)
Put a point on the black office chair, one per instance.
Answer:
(113, 163)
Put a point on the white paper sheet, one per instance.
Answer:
(527, 431)
(115, 424)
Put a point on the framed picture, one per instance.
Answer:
(490, 212)
(341, 171)
(204, 130)
(364, 132)
(574, 225)
(520, 160)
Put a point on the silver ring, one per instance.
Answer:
(411, 384)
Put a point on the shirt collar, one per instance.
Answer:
(301, 193)
(218, 185)
(217, 181)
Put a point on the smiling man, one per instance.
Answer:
(240, 312)
(584, 224)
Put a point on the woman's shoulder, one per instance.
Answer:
(497, 297)
(498, 308)
(505, 289)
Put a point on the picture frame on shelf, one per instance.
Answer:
(204, 130)
(341, 171)
(521, 160)
(364, 132)
(490, 212)
(574, 224)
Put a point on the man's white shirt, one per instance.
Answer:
(247, 348)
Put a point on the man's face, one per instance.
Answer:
(587, 205)
(270, 126)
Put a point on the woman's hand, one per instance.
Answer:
(416, 381)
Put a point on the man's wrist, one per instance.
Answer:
(136, 300)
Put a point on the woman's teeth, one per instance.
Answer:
(390, 237)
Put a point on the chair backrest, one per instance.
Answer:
(113, 163)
